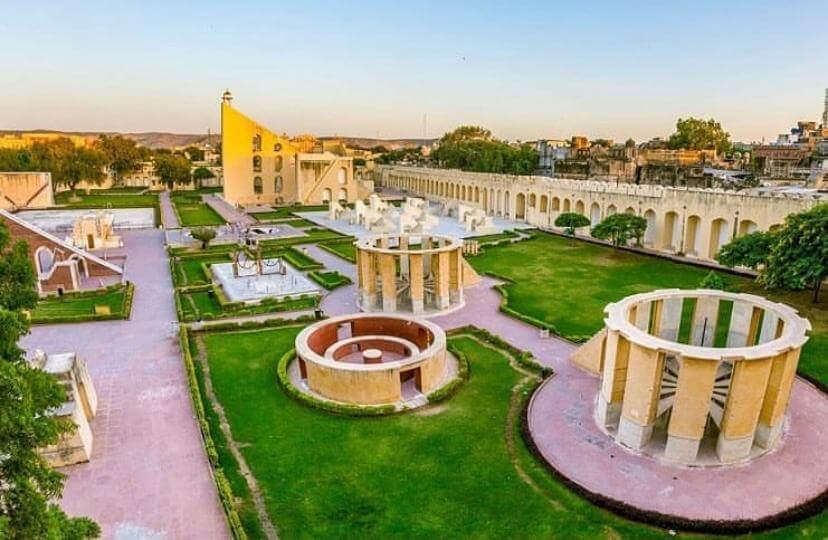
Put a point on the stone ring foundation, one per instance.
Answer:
(373, 359)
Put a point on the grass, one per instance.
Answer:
(567, 284)
(445, 474)
(107, 198)
(329, 280)
(193, 212)
(297, 223)
(492, 238)
(344, 250)
(80, 307)
(204, 305)
(287, 212)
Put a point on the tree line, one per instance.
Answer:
(70, 165)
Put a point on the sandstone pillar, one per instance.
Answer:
(388, 271)
(441, 280)
(416, 283)
(777, 395)
(369, 281)
(740, 317)
(641, 395)
(741, 413)
(455, 276)
(611, 396)
(690, 409)
(704, 321)
(403, 256)
(670, 320)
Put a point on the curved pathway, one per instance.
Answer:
(149, 476)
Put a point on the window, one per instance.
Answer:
(277, 163)
(277, 147)
(257, 163)
(257, 185)
(277, 184)
(257, 143)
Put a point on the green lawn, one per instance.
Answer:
(107, 198)
(193, 212)
(284, 212)
(439, 475)
(80, 307)
(567, 284)
(203, 305)
(345, 250)
(329, 280)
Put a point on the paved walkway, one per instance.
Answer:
(169, 219)
(149, 476)
(227, 210)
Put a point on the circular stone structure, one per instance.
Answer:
(418, 274)
(650, 415)
(701, 363)
(373, 359)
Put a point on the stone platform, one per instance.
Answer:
(561, 424)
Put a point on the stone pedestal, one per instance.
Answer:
(633, 435)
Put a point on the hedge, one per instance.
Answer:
(451, 388)
(336, 279)
(524, 358)
(225, 492)
(325, 246)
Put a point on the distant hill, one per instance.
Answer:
(154, 139)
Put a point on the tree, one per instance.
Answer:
(172, 169)
(472, 148)
(27, 395)
(798, 257)
(83, 164)
(194, 153)
(621, 228)
(571, 221)
(122, 155)
(202, 173)
(749, 250)
(698, 134)
(203, 235)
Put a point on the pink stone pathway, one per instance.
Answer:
(227, 210)
(169, 219)
(149, 476)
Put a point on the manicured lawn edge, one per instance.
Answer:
(326, 247)
(338, 281)
(657, 519)
(124, 313)
(523, 358)
(223, 488)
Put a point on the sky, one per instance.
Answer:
(525, 70)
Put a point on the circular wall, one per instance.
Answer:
(372, 359)
(698, 376)
(418, 274)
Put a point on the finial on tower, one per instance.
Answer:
(227, 97)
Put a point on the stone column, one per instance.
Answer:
(740, 317)
(425, 245)
(690, 409)
(455, 277)
(415, 278)
(641, 317)
(771, 327)
(369, 280)
(670, 320)
(388, 271)
(777, 395)
(441, 280)
(704, 321)
(641, 395)
(741, 413)
(403, 256)
(613, 380)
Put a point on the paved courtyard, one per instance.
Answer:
(149, 477)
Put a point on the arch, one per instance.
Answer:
(463, 193)
(277, 163)
(476, 194)
(775, 227)
(630, 210)
(277, 184)
(556, 204)
(507, 204)
(257, 143)
(719, 236)
(499, 203)
(533, 200)
(671, 235)
(326, 195)
(544, 204)
(747, 226)
(520, 206)
(580, 207)
(257, 163)
(342, 176)
(611, 210)
(566, 205)
(692, 236)
(594, 214)
(342, 195)
(44, 259)
(650, 231)
(257, 185)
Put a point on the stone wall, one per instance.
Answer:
(25, 190)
